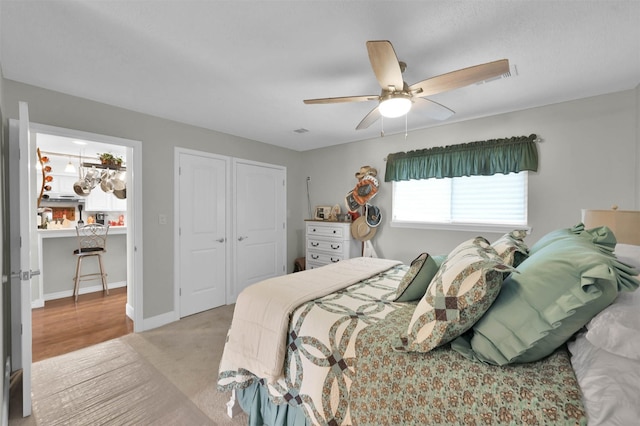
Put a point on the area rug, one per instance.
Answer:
(109, 383)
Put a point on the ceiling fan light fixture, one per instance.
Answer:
(395, 105)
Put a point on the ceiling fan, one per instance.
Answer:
(397, 97)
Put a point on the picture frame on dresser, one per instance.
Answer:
(322, 213)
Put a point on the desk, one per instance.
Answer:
(58, 263)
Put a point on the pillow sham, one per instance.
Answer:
(511, 247)
(415, 282)
(557, 291)
(553, 236)
(461, 291)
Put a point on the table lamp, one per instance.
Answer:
(625, 224)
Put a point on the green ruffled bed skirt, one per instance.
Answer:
(254, 400)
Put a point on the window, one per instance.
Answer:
(493, 203)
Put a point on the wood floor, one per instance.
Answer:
(64, 326)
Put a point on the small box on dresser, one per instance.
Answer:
(329, 242)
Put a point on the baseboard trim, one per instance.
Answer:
(6, 391)
(130, 311)
(158, 321)
(83, 290)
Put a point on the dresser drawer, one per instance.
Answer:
(313, 265)
(325, 230)
(322, 258)
(334, 247)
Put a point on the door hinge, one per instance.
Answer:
(180, 292)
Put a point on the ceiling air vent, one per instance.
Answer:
(301, 130)
(513, 72)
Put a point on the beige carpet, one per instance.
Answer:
(165, 376)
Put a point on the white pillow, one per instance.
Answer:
(617, 328)
(628, 254)
(610, 384)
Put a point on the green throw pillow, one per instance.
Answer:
(415, 282)
(557, 290)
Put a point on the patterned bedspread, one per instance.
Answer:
(443, 387)
(340, 369)
(321, 348)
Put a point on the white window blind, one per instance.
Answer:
(476, 200)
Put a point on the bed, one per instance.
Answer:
(373, 341)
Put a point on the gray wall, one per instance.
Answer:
(588, 158)
(4, 302)
(159, 137)
(57, 256)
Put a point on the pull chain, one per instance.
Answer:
(406, 134)
(382, 126)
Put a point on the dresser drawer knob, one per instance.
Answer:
(335, 260)
(314, 244)
(314, 256)
(336, 247)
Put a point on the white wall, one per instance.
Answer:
(588, 158)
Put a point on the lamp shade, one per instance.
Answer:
(625, 224)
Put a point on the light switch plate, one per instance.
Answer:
(162, 219)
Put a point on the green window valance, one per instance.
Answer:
(483, 158)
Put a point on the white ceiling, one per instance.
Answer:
(244, 67)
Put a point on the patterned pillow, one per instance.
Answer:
(463, 289)
(511, 247)
(415, 282)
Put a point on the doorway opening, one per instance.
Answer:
(69, 160)
(70, 156)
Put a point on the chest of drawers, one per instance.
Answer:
(329, 242)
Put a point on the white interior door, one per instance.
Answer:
(22, 220)
(202, 224)
(260, 227)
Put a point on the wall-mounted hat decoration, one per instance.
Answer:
(351, 203)
(365, 189)
(364, 228)
(361, 231)
(372, 215)
(366, 171)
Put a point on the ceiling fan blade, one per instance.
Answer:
(432, 109)
(459, 78)
(342, 99)
(369, 119)
(385, 64)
